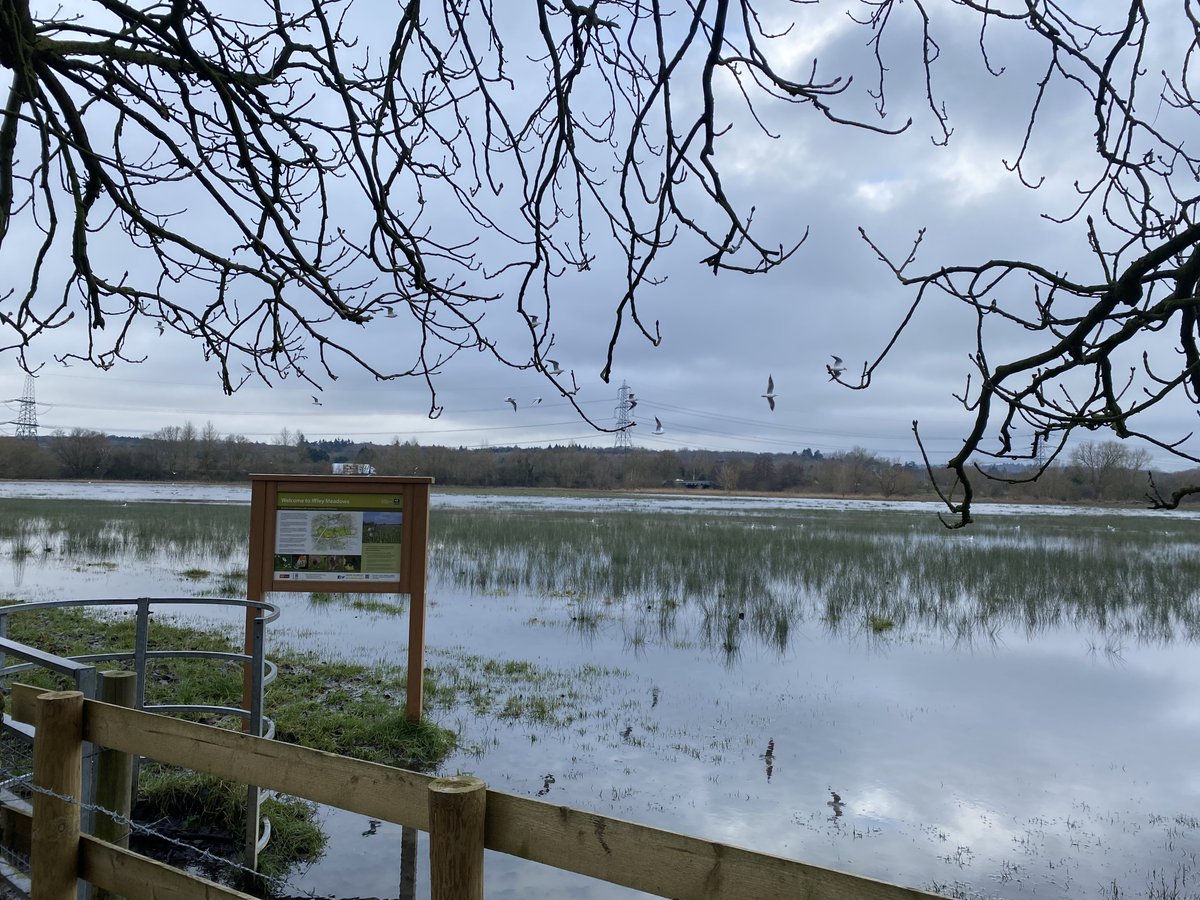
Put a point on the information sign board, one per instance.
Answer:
(341, 533)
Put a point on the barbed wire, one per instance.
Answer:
(18, 781)
(199, 854)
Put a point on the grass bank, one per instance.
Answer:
(334, 706)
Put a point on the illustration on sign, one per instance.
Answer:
(338, 537)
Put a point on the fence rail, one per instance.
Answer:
(641, 857)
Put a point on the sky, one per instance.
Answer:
(722, 337)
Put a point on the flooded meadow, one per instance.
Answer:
(1006, 711)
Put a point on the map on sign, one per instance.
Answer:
(335, 537)
(336, 533)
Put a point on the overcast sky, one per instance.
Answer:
(722, 336)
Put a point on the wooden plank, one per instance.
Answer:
(24, 702)
(374, 790)
(129, 874)
(257, 567)
(16, 829)
(663, 862)
(415, 555)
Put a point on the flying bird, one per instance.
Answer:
(391, 313)
(316, 401)
(535, 401)
(770, 394)
(658, 429)
(512, 401)
(552, 368)
(632, 403)
(160, 327)
(836, 369)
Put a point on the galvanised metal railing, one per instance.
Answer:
(82, 670)
(263, 671)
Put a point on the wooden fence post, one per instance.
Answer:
(456, 820)
(57, 774)
(114, 770)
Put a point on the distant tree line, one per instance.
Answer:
(1108, 471)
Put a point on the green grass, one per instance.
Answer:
(880, 624)
(518, 690)
(335, 706)
(197, 802)
(370, 603)
(332, 706)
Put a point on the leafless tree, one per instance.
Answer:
(1109, 468)
(1111, 343)
(270, 181)
(82, 452)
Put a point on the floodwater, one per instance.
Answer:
(1012, 763)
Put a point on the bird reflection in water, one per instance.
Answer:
(836, 803)
(768, 758)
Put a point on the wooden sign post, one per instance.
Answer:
(343, 534)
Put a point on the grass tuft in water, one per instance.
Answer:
(840, 568)
(880, 624)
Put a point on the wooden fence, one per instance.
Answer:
(462, 816)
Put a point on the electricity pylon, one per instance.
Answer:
(625, 404)
(27, 417)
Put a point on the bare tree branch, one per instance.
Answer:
(271, 181)
(1139, 218)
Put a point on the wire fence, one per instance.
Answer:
(16, 777)
(17, 788)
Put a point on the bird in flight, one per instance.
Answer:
(836, 369)
(658, 429)
(552, 368)
(390, 313)
(770, 394)
(316, 401)
(512, 401)
(535, 401)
